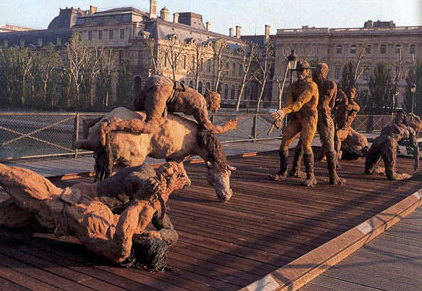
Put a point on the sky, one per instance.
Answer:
(251, 15)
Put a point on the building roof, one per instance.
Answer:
(66, 18)
(116, 15)
(31, 38)
(11, 28)
(161, 29)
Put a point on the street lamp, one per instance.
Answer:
(413, 91)
(292, 63)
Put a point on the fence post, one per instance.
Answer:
(254, 127)
(76, 134)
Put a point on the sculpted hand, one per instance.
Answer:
(278, 117)
(233, 122)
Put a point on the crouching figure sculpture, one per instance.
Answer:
(385, 146)
(78, 211)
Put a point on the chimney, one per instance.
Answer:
(231, 31)
(92, 9)
(267, 32)
(238, 29)
(153, 9)
(208, 25)
(165, 14)
(176, 18)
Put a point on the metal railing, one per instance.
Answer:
(41, 135)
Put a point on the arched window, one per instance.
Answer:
(219, 88)
(412, 49)
(208, 86)
(226, 91)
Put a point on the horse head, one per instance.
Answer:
(219, 179)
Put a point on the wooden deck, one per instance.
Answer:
(222, 246)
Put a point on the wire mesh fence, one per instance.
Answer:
(40, 135)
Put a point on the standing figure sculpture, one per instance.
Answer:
(161, 95)
(301, 102)
(347, 140)
(385, 146)
(327, 95)
(78, 211)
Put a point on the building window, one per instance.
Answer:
(122, 33)
(366, 74)
(368, 49)
(90, 35)
(110, 34)
(353, 49)
(100, 35)
(200, 87)
(232, 92)
(209, 66)
(339, 49)
(338, 73)
(226, 91)
(412, 49)
(398, 49)
(383, 49)
(240, 70)
(208, 86)
(140, 56)
(234, 69)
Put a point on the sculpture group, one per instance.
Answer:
(110, 216)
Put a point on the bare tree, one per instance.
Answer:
(51, 62)
(199, 50)
(222, 57)
(78, 55)
(398, 65)
(247, 54)
(264, 62)
(173, 50)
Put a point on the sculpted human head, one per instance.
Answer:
(321, 71)
(303, 70)
(213, 100)
(351, 93)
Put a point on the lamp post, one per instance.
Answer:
(292, 63)
(413, 91)
(290, 66)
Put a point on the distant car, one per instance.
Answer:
(407, 151)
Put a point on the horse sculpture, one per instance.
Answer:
(117, 140)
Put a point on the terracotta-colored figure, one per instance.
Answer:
(327, 90)
(385, 146)
(161, 94)
(301, 102)
(77, 211)
(118, 141)
(348, 141)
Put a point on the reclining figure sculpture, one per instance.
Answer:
(78, 211)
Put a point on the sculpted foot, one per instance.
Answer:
(337, 181)
(296, 174)
(278, 177)
(310, 182)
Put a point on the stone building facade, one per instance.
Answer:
(382, 41)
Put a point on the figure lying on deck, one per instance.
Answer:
(118, 141)
(385, 146)
(77, 211)
(350, 144)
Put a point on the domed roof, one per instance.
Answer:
(66, 19)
